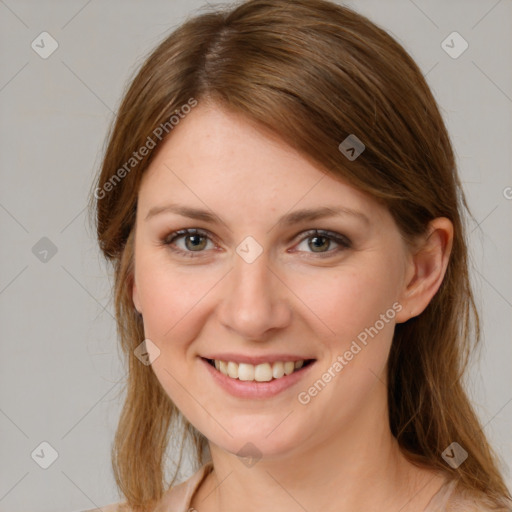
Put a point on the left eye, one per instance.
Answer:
(195, 241)
(317, 240)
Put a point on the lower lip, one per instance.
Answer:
(253, 389)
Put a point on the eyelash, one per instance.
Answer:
(342, 240)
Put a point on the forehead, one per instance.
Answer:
(219, 159)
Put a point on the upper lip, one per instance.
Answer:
(254, 360)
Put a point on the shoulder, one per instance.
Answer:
(467, 500)
(176, 498)
(477, 503)
(454, 497)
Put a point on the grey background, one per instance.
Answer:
(59, 368)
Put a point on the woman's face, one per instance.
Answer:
(255, 283)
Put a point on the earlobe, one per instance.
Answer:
(428, 268)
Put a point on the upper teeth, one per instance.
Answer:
(260, 372)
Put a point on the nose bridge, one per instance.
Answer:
(252, 279)
(255, 302)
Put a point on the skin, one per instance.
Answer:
(325, 455)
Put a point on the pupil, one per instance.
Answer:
(316, 238)
(196, 244)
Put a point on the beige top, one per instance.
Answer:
(179, 497)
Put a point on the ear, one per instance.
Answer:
(135, 297)
(426, 268)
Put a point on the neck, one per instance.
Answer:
(361, 468)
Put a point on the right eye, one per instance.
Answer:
(195, 240)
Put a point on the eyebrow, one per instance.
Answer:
(286, 220)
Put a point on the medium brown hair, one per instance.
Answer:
(312, 72)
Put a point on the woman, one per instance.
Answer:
(280, 203)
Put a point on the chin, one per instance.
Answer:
(252, 441)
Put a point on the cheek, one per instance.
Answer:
(170, 298)
(355, 308)
(171, 301)
(348, 299)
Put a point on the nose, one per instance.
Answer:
(256, 300)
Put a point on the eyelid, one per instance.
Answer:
(188, 231)
(343, 241)
(332, 235)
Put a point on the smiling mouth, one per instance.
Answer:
(264, 372)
